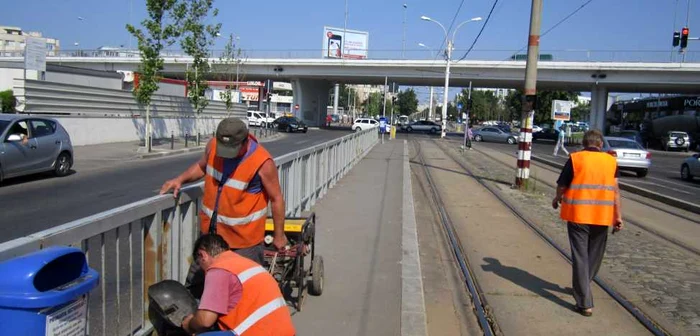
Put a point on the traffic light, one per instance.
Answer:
(676, 38)
(393, 100)
(469, 104)
(684, 37)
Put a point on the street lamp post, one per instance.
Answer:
(430, 106)
(448, 56)
(403, 44)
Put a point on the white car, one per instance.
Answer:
(362, 124)
(257, 118)
(536, 129)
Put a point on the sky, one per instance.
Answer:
(633, 28)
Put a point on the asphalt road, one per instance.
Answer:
(106, 177)
(663, 177)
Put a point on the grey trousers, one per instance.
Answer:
(587, 251)
(195, 276)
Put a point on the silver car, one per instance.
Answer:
(494, 134)
(33, 145)
(676, 140)
(423, 126)
(631, 156)
(690, 167)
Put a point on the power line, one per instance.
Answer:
(480, 31)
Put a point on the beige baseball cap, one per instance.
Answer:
(230, 136)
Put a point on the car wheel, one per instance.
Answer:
(511, 141)
(642, 172)
(478, 138)
(289, 129)
(685, 173)
(62, 165)
(409, 129)
(357, 129)
(304, 131)
(263, 125)
(433, 130)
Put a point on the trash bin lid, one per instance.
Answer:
(46, 278)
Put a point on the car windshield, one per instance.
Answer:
(623, 144)
(3, 125)
(678, 134)
(293, 120)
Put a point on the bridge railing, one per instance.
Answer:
(139, 244)
(565, 55)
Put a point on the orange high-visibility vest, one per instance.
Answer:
(590, 199)
(261, 309)
(241, 214)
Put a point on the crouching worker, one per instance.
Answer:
(239, 294)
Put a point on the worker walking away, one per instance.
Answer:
(240, 178)
(240, 296)
(590, 203)
(561, 139)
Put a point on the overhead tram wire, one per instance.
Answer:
(454, 18)
(480, 31)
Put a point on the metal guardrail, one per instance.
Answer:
(566, 55)
(139, 244)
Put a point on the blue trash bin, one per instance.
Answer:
(44, 293)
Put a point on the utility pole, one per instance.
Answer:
(345, 27)
(687, 24)
(466, 120)
(384, 98)
(430, 108)
(448, 54)
(530, 99)
(403, 47)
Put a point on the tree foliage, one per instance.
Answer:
(159, 30)
(406, 102)
(7, 101)
(229, 60)
(197, 40)
(543, 112)
(347, 97)
(485, 105)
(373, 105)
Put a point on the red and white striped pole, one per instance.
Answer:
(530, 98)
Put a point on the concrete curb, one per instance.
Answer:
(168, 152)
(413, 319)
(675, 202)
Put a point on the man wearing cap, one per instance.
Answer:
(240, 178)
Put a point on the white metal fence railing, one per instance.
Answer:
(139, 244)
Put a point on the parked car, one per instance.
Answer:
(362, 124)
(33, 145)
(631, 156)
(676, 140)
(494, 134)
(546, 134)
(290, 124)
(690, 167)
(423, 126)
(257, 118)
(536, 129)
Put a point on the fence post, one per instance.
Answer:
(172, 140)
(187, 138)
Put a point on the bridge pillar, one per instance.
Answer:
(312, 97)
(599, 105)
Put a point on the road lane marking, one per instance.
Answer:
(671, 182)
(665, 187)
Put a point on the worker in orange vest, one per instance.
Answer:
(240, 179)
(590, 203)
(239, 294)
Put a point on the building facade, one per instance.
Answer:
(12, 41)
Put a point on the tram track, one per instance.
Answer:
(483, 311)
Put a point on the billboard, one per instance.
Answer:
(561, 110)
(35, 54)
(351, 44)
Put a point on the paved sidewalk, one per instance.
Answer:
(359, 236)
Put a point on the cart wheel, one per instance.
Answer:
(316, 287)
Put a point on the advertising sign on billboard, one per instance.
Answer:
(35, 54)
(561, 110)
(352, 44)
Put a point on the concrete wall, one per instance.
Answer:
(7, 76)
(114, 83)
(311, 96)
(92, 131)
(169, 89)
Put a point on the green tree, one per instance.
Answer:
(581, 112)
(229, 60)
(406, 102)
(160, 29)
(485, 104)
(373, 105)
(543, 112)
(7, 101)
(197, 39)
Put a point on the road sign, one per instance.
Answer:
(35, 54)
(382, 124)
(459, 105)
(561, 110)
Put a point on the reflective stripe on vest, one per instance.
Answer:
(230, 182)
(592, 187)
(587, 202)
(233, 221)
(251, 272)
(256, 316)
